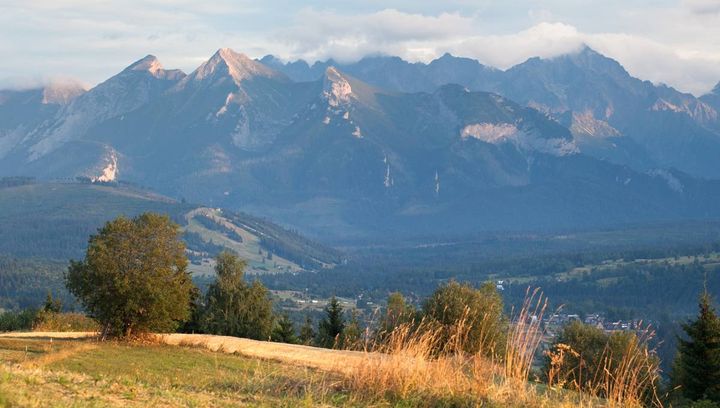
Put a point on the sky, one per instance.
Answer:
(676, 42)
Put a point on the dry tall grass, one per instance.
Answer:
(407, 363)
(524, 337)
(633, 380)
(623, 377)
(411, 366)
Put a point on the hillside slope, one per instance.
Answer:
(54, 221)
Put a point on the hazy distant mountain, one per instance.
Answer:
(612, 115)
(394, 73)
(21, 111)
(336, 155)
(713, 98)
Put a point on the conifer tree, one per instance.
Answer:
(52, 305)
(697, 368)
(284, 331)
(332, 325)
(307, 333)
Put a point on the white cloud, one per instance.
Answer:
(676, 42)
(320, 35)
(545, 40)
(323, 34)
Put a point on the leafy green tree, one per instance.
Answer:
(478, 313)
(586, 345)
(697, 366)
(331, 327)
(134, 276)
(284, 331)
(234, 308)
(307, 332)
(397, 313)
(352, 333)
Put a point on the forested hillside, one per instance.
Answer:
(43, 225)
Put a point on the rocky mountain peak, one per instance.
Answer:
(148, 63)
(151, 65)
(336, 88)
(239, 67)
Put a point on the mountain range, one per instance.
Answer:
(384, 146)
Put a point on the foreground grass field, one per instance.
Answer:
(44, 372)
(62, 373)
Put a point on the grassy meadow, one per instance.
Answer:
(40, 372)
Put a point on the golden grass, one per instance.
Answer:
(411, 366)
(630, 381)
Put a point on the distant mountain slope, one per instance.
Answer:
(613, 115)
(54, 221)
(713, 98)
(587, 145)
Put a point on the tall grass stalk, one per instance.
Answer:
(427, 360)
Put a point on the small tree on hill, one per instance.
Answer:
(52, 305)
(697, 367)
(234, 308)
(307, 333)
(352, 334)
(284, 331)
(134, 276)
(397, 313)
(331, 327)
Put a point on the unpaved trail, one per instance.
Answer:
(324, 359)
(49, 335)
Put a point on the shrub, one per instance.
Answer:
(64, 322)
(17, 320)
(480, 309)
(618, 367)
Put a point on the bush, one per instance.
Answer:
(65, 322)
(617, 366)
(22, 320)
(480, 310)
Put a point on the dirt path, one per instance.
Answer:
(324, 359)
(49, 335)
(320, 358)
